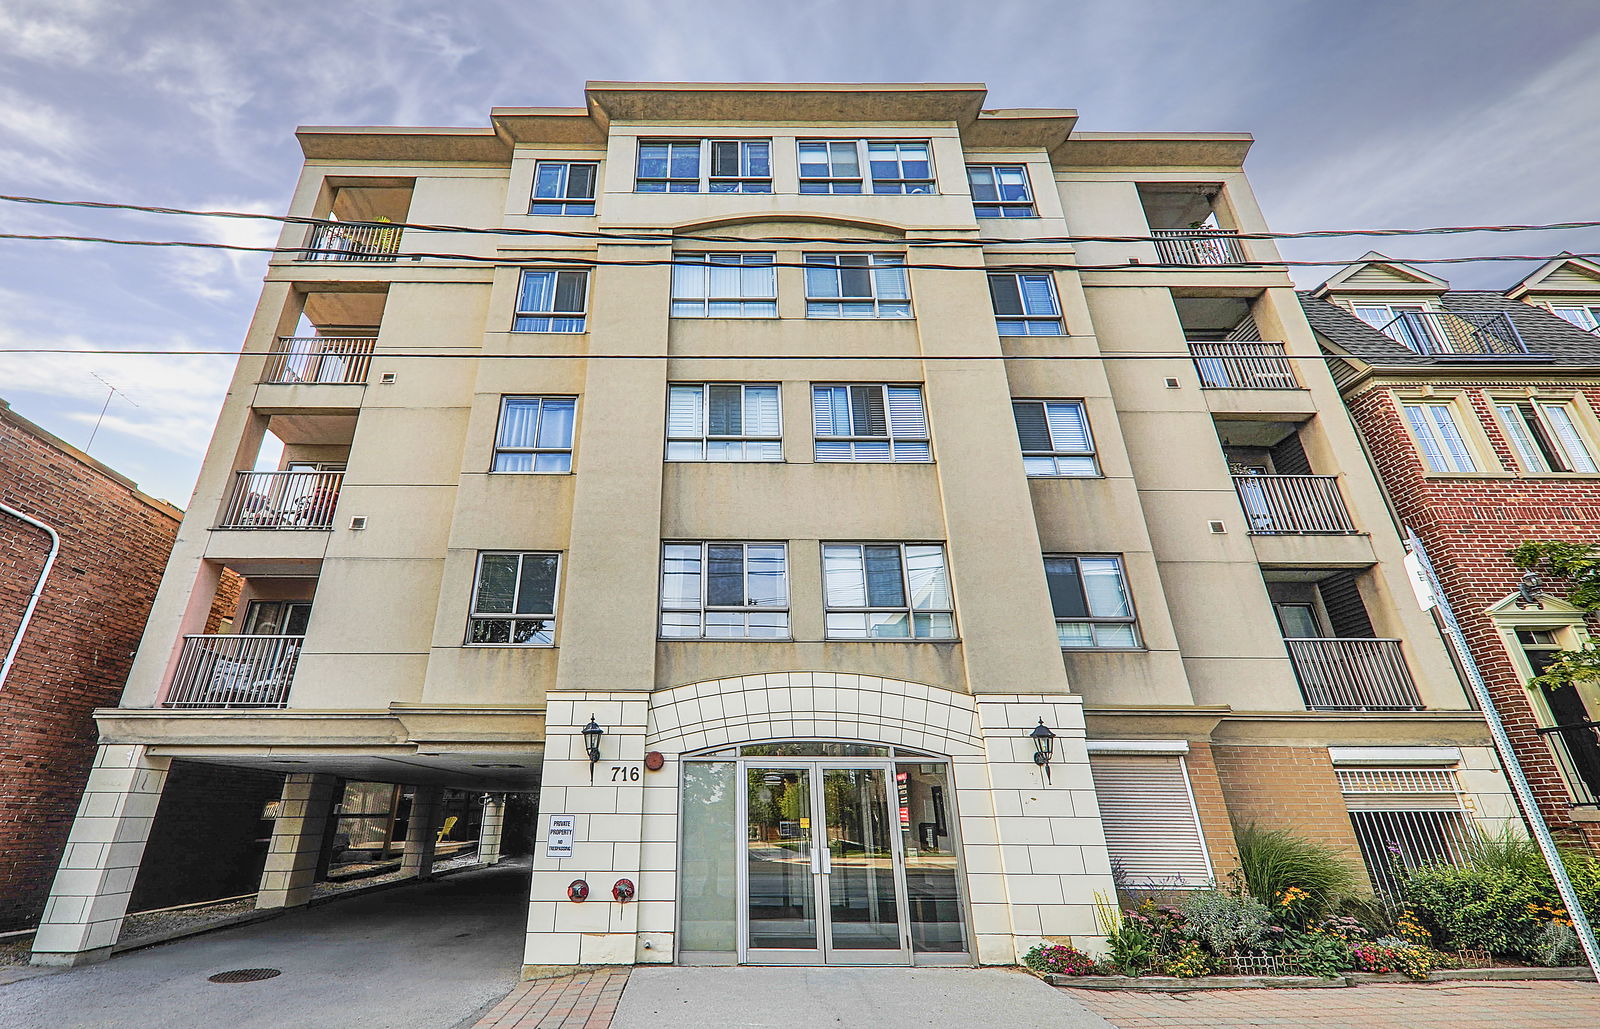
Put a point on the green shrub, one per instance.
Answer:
(1317, 954)
(1557, 946)
(1507, 850)
(1226, 923)
(1059, 959)
(1502, 906)
(1297, 878)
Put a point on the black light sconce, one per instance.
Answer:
(1043, 742)
(591, 743)
(1528, 591)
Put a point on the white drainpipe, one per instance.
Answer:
(38, 588)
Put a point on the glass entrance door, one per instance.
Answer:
(861, 873)
(781, 866)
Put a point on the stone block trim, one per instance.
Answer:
(1286, 788)
(297, 836)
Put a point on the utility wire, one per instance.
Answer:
(476, 356)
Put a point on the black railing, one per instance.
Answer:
(1576, 748)
(1457, 333)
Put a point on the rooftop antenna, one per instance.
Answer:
(114, 390)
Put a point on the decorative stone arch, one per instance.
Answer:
(827, 705)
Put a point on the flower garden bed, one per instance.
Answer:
(1172, 984)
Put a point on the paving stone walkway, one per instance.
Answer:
(587, 1000)
(1503, 1005)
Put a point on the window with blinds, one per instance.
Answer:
(724, 421)
(857, 286)
(1439, 437)
(1151, 825)
(1545, 435)
(724, 285)
(870, 422)
(1025, 304)
(1055, 437)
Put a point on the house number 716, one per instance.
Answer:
(625, 773)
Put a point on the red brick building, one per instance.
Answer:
(1479, 411)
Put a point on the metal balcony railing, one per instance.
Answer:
(1353, 675)
(234, 671)
(299, 359)
(353, 241)
(1576, 748)
(282, 500)
(1243, 366)
(1198, 246)
(1293, 505)
(1457, 333)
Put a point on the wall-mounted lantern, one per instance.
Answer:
(1043, 742)
(591, 743)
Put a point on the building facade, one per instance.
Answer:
(1479, 410)
(858, 571)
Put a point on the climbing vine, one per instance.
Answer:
(1579, 565)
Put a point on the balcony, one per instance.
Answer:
(297, 360)
(282, 500)
(1198, 246)
(1460, 334)
(1353, 675)
(1293, 505)
(1576, 748)
(353, 241)
(1243, 366)
(234, 671)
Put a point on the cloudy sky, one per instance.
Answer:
(1366, 113)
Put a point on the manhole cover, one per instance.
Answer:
(244, 975)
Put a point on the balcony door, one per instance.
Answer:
(277, 618)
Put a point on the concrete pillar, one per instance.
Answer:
(90, 893)
(489, 830)
(297, 835)
(422, 831)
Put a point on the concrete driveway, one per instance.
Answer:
(430, 956)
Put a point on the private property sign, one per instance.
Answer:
(562, 830)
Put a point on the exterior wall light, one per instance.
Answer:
(1043, 742)
(591, 743)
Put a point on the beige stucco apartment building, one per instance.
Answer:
(779, 433)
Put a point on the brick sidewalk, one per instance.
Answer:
(1503, 1005)
(586, 1000)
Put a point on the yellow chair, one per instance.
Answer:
(444, 830)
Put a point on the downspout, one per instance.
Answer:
(38, 588)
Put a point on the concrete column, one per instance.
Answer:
(489, 830)
(297, 835)
(422, 831)
(90, 893)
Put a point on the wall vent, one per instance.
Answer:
(387, 377)
(1218, 527)
(360, 522)
(1172, 382)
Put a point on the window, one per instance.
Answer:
(1055, 437)
(887, 591)
(834, 166)
(724, 421)
(724, 591)
(1148, 812)
(277, 617)
(1000, 191)
(1090, 598)
(563, 187)
(1584, 317)
(870, 422)
(1025, 304)
(535, 434)
(1545, 436)
(1439, 438)
(674, 166)
(857, 286)
(724, 286)
(514, 600)
(552, 302)
(1416, 332)
(1405, 818)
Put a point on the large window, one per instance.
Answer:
(1151, 825)
(724, 591)
(1545, 435)
(899, 167)
(668, 166)
(857, 286)
(1090, 597)
(1438, 437)
(724, 286)
(1025, 304)
(836, 166)
(741, 165)
(514, 600)
(731, 166)
(887, 591)
(563, 187)
(1055, 437)
(724, 421)
(870, 422)
(535, 434)
(1405, 818)
(552, 301)
(1000, 191)
(1586, 317)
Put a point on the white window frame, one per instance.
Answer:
(546, 637)
(704, 181)
(750, 306)
(1567, 442)
(566, 201)
(881, 269)
(863, 182)
(501, 448)
(1032, 322)
(1130, 621)
(905, 439)
(704, 608)
(1146, 847)
(551, 319)
(705, 439)
(1064, 460)
(908, 608)
(1434, 447)
(1583, 316)
(1003, 208)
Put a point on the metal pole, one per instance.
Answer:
(1508, 759)
(38, 588)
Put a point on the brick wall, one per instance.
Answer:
(1287, 788)
(1469, 524)
(76, 654)
(1212, 806)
